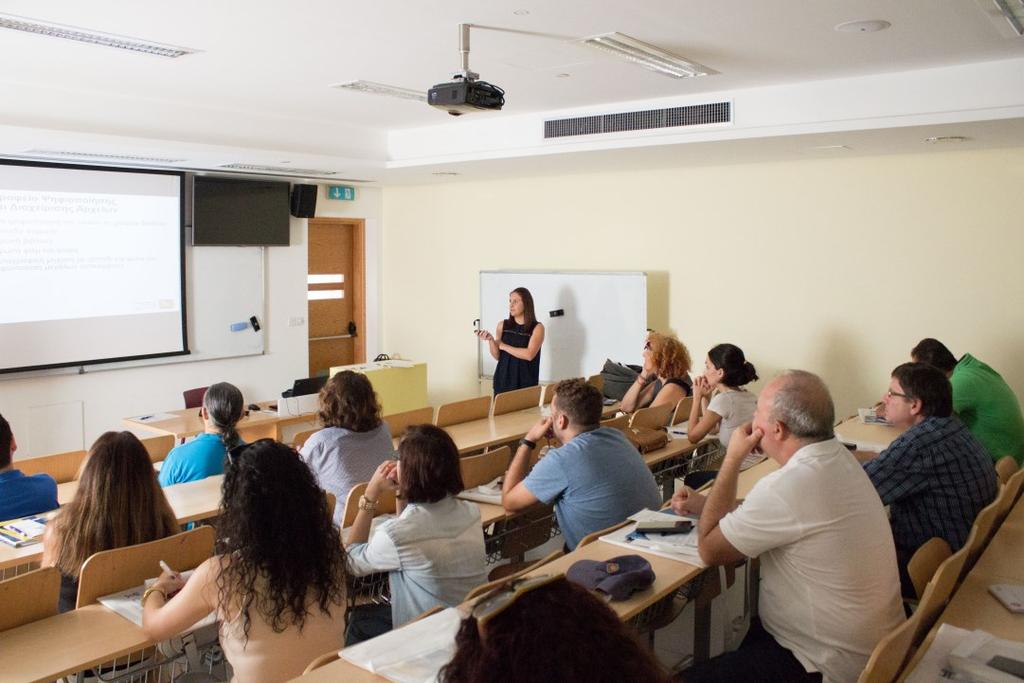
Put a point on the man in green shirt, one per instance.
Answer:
(981, 398)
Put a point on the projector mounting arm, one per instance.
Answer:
(465, 74)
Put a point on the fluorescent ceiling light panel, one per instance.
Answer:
(647, 55)
(44, 28)
(371, 88)
(1013, 10)
(65, 154)
(278, 170)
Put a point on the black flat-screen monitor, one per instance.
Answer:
(231, 212)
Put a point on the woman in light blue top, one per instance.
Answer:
(354, 440)
(433, 550)
(203, 456)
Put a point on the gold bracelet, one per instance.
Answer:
(149, 591)
(367, 505)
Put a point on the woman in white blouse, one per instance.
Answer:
(719, 399)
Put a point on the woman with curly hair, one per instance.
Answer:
(664, 377)
(547, 629)
(118, 503)
(278, 582)
(354, 440)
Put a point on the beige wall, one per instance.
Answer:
(834, 265)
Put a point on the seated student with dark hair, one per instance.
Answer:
(595, 479)
(935, 476)
(433, 550)
(203, 456)
(21, 495)
(981, 399)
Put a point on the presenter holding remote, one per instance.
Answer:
(516, 344)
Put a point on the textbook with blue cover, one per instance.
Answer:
(23, 531)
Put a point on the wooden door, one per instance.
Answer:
(336, 286)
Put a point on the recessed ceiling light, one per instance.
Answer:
(829, 149)
(382, 89)
(941, 139)
(521, 12)
(1013, 12)
(45, 28)
(863, 26)
(562, 75)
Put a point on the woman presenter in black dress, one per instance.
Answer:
(516, 344)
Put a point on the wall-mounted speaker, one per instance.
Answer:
(304, 201)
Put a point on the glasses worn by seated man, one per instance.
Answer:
(501, 597)
(892, 394)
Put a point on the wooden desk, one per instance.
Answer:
(63, 644)
(867, 437)
(972, 606)
(256, 425)
(476, 435)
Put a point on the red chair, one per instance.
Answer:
(194, 397)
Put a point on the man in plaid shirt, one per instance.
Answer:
(936, 476)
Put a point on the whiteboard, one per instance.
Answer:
(605, 316)
(225, 286)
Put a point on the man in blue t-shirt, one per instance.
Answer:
(595, 479)
(20, 495)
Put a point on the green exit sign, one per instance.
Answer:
(341, 192)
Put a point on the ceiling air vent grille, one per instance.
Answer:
(673, 117)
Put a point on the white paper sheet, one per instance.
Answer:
(413, 653)
(681, 547)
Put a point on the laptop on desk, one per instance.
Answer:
(305, 386)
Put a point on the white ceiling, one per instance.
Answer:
(261, 79)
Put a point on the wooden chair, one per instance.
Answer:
(322, 660)
(1005, 467)
(463, 411)
(520, 399)
(385, 505)
(427, 613)
(891, 653)
(399, 422)
(332, 502)
(29, 597)
(521, 571)
(302, 437)
(158, 446)
(484, 468)
(1003, 502)
(591, 537)
(682, 411)
(948, 574)
(1015, 484)
(525, 531)
(116, 570)
(925, 561)
(620, 422)
(655, 417)
(547, 393)
(194, 397)
(63, 467)
(984, 526)
(597, 381)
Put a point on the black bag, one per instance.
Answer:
(618, 378)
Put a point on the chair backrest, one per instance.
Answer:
(591, 537)
(302, 437)
(484, 468)
(547, 392)
(332, 502)
(194, 397)
(892, 651)
(928, 610)
(984, 526)
(158, 446)
(1004, 501)
(620, 422)
(483, 588)
(463, 411)
(29, 597)
(519, 399)
(925, 561)
(597, 381)
(947, 574)
(116, 570)
(385, 504)
(63, 467)
(322, 660)
(1015, 484)
(399, 422)
(654, 417)
(682, 411)
(1005, 467)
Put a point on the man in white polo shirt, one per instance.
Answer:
(829, 585)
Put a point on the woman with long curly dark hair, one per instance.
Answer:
(278, 582)
(547, 629)
(354, 440)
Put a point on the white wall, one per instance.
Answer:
(103, 398)
(834, 265)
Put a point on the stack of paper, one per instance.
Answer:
(23, 531)
(682, 547)
(413, 653)
(957, 654)
(128, 603)
(485, 493)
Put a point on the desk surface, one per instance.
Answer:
(972, 606)
(186, 422)
(867, 437)
(63, 644)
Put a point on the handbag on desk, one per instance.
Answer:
(646, 439)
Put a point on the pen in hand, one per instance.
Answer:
(166, 568)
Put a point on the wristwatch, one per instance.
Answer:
(149, 591)
(526, 442)
(367, 504)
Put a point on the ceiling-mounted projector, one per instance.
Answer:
(465, 93)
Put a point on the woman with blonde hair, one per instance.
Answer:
(118, 503)
(354, 440)
(664, 378)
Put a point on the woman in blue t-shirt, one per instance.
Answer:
(203, 456)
